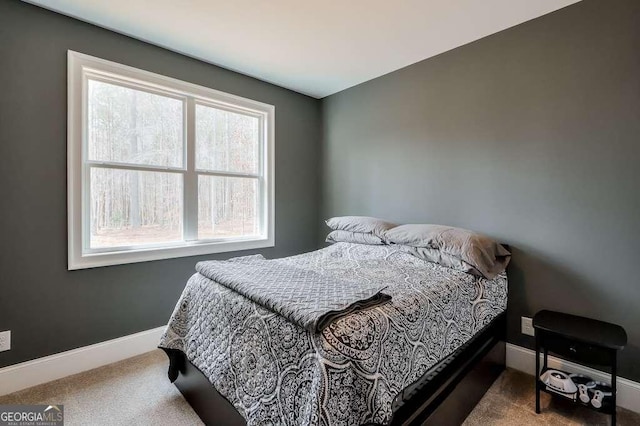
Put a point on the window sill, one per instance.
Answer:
(94, 260)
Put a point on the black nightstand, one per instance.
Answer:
(582, 340)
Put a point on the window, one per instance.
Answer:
(161, 168)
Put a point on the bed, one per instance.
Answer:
(398, 362)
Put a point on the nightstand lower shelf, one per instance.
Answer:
(607, 406)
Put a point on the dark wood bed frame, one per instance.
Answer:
(445, 395)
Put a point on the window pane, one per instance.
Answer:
(227, 207)
(131, 126)
(226, 141)
(132, 207)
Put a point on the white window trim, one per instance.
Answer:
(79, 66)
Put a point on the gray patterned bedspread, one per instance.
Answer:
(306, 298)
(275, 372)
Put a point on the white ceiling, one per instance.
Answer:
(313, 47)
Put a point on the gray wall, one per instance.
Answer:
(532, 136)
(48, 308)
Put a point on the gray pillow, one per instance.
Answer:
(362, 224)
(441, 258)
(353, 237)
(479, 254)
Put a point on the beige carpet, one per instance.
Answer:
(137, 392)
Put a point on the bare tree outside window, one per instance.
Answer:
(227, 142)
(139, 128)
(227, 207)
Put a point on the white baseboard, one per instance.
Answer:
(524, 359)
(31, 373)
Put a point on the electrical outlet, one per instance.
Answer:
(5, 340)
(527, 327)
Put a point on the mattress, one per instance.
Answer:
(274, 372)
